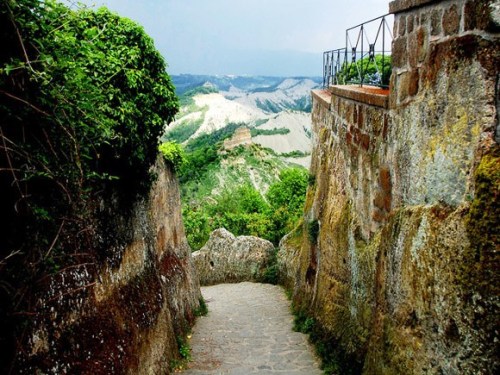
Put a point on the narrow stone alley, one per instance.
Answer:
(248, 330)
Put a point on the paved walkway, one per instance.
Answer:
(248, 330)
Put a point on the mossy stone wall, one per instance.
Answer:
(403, 277)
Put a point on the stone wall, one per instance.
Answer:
(402, 275)
(124, 313)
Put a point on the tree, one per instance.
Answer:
(84, 97)
(287, 198)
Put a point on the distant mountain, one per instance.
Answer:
(210, 103)
(186, 82)
(243, 137)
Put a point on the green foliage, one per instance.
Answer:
(202, 153)
(286, 199)
(202, 310)
(173, 154)
(333, 359)
(313, 230)
(271, 272)
(303, 323)
(243, 211)
(213, 138)
(376, 71)
(187, 97)
(294, 154)
(183, 131)
(84, 97)
(276, 131)
(184, 348)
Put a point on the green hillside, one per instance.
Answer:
(221, 188)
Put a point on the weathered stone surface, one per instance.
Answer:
(248, 331)
(451, 20)
(398, 6)
(241, 137)
(123, 314)
(229, 259)
(403, 275)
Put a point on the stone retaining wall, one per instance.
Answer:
(402, 276)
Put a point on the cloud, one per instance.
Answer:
(198, 35)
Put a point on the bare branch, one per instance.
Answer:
(55, 239)
(25, 102)
(25, 52)
(14, 253)
(9, 161)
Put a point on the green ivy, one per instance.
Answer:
(84, 97)
(173, 154)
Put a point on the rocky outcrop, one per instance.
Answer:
(398, 258)
(229, 259)
(124, 313)
(241, 137)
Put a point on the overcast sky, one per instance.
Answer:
(265, 37)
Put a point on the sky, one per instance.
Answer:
(246, 37)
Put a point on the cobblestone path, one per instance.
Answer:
(248, 330)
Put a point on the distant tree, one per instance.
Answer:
(376, 71)
(287, 198)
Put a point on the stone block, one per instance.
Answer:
(357, 135)
(399, 6)
(422, 44)
(451, 21)
(379, 200)
(361, 110)
(403, 86)
(477, 16)
(365, 141)
(413, 49)
(410, 23)
(436, 18)
(348, 138)
(378, 215)
(399, 52)
(414, 83)
(386, 126)
(228, 259)
(388, 202)
(385, 179)
(402, 26)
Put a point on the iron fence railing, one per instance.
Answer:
(366, 57)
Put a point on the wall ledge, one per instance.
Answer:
(399, 6)
(323, 95)
(370, 95)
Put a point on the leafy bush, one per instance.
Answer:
(84, 97)
(271, 273)
(202, 310)
(243, 211)
(173, 154)
(184, 351)
(375, 71)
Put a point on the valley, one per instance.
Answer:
(240, 134)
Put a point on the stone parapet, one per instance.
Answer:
(399, 6)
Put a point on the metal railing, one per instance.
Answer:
(366, 57)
